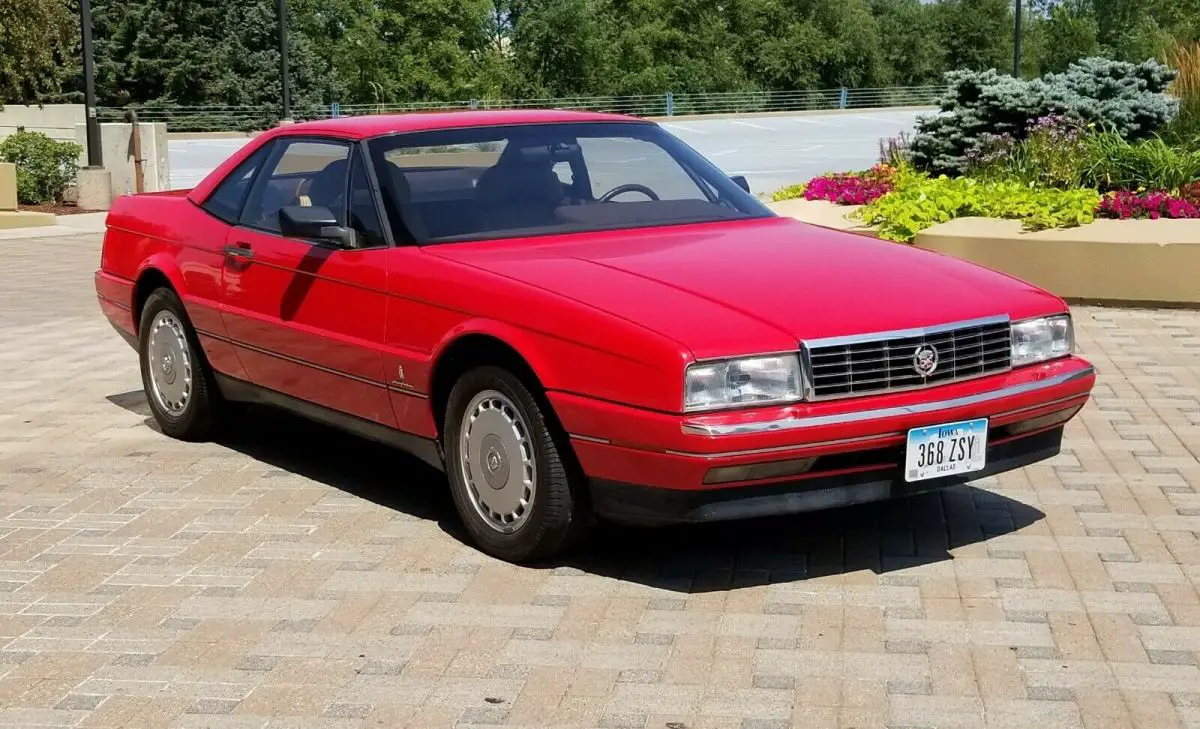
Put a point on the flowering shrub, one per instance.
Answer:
(852, 188)
(1124, 205)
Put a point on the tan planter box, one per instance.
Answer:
(11, 219)
(1108, 261)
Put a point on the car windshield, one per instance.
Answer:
(509, 181)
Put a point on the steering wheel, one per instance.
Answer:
(629, 187)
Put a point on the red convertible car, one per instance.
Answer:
(575, 315)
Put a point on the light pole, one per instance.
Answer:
(283, 60)
(1016, 41)
(94, 152)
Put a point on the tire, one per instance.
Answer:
(486, 453)
(188, 411)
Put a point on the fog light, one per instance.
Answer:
(759, 471)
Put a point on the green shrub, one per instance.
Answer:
(791, 192)
(918, 202)
(1053, 154)
(981, 106)
(1114, 163)
(45, 166)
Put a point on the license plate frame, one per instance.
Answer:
(917, 469)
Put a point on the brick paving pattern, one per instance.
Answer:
(291, 576)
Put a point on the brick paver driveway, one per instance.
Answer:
(291, 576)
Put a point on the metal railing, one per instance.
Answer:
(249, 118)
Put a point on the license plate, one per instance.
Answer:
(946, 450)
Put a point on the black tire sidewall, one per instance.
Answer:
(192, 419)
(551, 515)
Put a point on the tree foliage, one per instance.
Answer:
(225, 52)
(33, 37)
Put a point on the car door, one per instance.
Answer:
(307, 317)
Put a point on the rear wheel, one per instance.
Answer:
(178, 382)
(517, 496)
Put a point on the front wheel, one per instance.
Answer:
(515, 494)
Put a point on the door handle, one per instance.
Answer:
(242, 252)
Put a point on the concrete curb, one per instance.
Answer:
(63, 225)
(1119, 262)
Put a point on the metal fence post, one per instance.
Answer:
(670, 104)
(844, 97)
(335, 110)
(474, 104)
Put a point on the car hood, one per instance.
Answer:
(751, 286)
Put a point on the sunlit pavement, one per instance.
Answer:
(291, 576)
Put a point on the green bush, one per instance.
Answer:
(1114, 163)
(918, 201)
(1054, 154)
(45, 166)
(791, 192)
(981, 106)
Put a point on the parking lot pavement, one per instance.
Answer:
(770, 151)
(290, 576)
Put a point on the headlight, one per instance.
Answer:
(739, 382)
(1037, 340)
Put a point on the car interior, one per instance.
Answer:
(538, 187)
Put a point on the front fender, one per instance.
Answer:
(568, 365)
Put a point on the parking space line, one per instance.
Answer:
(803, 120)
(753, 126)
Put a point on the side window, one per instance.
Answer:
(226, 200)
(614, 162)
(301, 172)
(364, 216)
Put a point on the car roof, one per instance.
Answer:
(364, 127)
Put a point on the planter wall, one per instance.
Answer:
(1110, 261)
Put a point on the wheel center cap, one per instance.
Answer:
(168, 367)
(495, 464)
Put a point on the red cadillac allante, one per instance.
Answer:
(575, 315)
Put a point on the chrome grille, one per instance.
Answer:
(848, 366)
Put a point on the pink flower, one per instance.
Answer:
(1125, 205)
(849, 189)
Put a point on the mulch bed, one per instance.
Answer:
(63, 209)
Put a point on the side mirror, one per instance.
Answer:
(315, 223)
(741, 181)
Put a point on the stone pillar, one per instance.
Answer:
(8, 186)
(95, 188)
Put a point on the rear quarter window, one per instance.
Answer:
(227, 200)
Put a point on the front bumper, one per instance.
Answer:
(621, 447)
(641, 505)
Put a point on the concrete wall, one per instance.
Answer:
(1125, 262)
(54, 120)
(117, 146)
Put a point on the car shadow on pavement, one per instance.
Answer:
(358, 466)
(880, 537)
